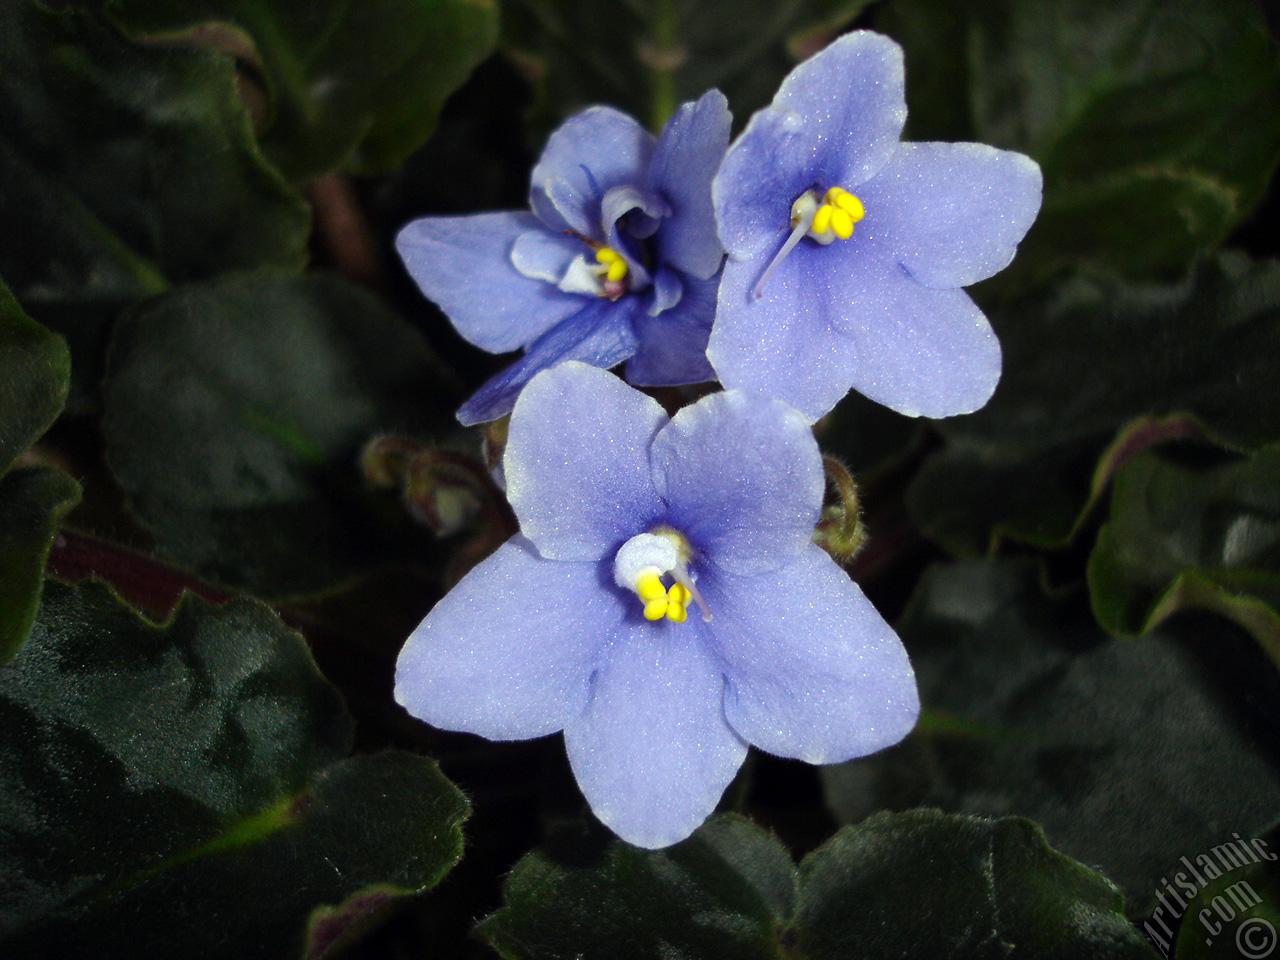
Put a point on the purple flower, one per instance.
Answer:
(847, 248)
(618, 261)
(663, 604)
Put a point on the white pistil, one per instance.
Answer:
(802, 212)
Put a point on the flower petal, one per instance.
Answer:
(772, 162)
(652, 752)
(814, 671)
(585, 157)
(600, 333)
(851, 96)
(687, 156)
(847, 315)
(464, 265)
(742, 477)
(577, 462)
(508, 653)
(921, 351)
(952, 213)
(673, 343)
(543, 255)
(781, 345)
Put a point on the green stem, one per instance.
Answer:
(662, 62)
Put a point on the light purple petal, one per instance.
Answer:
(673, 343)
(543, 255)
(773, 161)
(652, 752)
(687, 156)
(782, 345)
(668, 288)
(577, 462)
(508, 653)
(585, 157)
(742, 477)
(846, 315)
(601, 333)
(952, 213)
(647, 208)
(920, 351)
(814, 671)
(464, 265)
(851, 96)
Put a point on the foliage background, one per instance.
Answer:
(231, 484)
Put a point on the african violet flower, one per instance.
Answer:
(618, 261)
(847, 248)
(663, 604)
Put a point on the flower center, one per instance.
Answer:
(645, 559)
(612, 272)
(822, 221)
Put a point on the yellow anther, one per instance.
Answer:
(617, 270)
(678, 593)
(656, 609)
(822, 218)
(607, 255)
(851, 205)
(841, 223)
(649, 587)
(676, 612)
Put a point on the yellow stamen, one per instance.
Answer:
(656, 609)
(676, 612)
(649, 587)
(841, 224)
(615, 266)
(822, 218)
(678, 593)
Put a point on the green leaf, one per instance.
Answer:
(32, 502)
(649, 56)
(921, 884)
(1128, 753)
(1157, 125)
(1182, 536)
(718, 894)
(34, 372)
(925, 884)
(235, 413)
(125, 170)
(350, 85)
(174, 790)
(1084, 358)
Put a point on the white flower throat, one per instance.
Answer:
(642, 562)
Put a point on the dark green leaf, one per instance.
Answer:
(924, 885)
(919, 885)
(721, 893)
(1191, 536)
(1157, 125)
(32, 501)
(125, 169)
(352, 85)
(235, 413)
(1082, 359)
(34, 372)
(649, 56)
(169, 792)
(1128, 753)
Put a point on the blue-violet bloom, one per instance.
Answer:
(848, 248)
(663, 604)
(619, 259)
